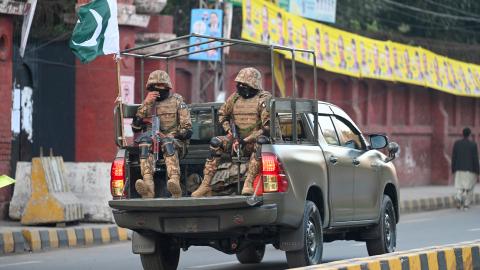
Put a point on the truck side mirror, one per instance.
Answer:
(378, 141)
(392, 151)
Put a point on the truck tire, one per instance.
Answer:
(165, 257)
(386, 229)
(251, 254)
(312, 250)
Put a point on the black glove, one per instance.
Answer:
(137, 124)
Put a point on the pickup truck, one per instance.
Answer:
(321, 180)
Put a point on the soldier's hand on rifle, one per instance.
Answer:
(151, 96)
(236, 146)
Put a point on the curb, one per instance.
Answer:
(465, 255)
(35, 240)
(430, 204)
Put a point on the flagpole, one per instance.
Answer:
(119, 98)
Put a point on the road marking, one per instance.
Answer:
(474, 230)
(19, 263)
(358, 245)
(416, 220)
(211, 265)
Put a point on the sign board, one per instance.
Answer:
(206, 22)
(12, 7)
(127, 84)
(319, 10)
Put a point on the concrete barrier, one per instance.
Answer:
(89, 182)
(51, 200)
(34, 240)
(22, 190)
(461, 256)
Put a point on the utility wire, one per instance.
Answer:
(453, 9)
(444, 15)
(440, 26)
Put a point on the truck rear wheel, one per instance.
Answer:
(386, 229)
(311, 252)
(251, 254)
(165, 257)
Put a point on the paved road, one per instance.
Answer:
(415, 231)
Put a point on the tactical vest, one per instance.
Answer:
(167, 112)
(245, 115)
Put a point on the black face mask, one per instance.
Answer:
(246, 91)
(164, 94)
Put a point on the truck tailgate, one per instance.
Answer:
(184, 203)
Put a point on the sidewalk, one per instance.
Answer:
(427, 198)
(15, 238)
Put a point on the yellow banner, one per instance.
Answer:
(350, 54)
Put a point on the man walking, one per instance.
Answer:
(465, 169)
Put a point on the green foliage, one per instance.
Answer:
(49, 20)
(373, 16)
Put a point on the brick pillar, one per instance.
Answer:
(6, 45)
(440, 162)
(95, 91)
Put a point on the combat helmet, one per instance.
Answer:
(251, 77)
(159, 76)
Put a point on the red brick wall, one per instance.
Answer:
(423, 121)
(95, 93)
(6, 37)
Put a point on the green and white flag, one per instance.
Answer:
(96, 31)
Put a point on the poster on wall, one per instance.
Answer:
(319, 10)
(347, 53)
(127, 83)
(206, 22)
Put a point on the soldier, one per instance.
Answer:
(246, 109)
(175, 131)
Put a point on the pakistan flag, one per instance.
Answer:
(96, 31)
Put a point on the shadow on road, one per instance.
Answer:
(238, 266)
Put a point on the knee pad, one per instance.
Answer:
(215, 142)
(168, 148)
(262, 139)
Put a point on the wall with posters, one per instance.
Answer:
(357, 56)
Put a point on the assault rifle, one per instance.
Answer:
(236, 138)
(156, 134)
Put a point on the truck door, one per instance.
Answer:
(366, 178)
(340, 172)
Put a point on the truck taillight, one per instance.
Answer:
(117, 178)
(273, 175)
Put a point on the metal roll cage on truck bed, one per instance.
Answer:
(277, 105)
(307, 195)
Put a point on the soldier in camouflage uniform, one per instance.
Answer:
(175, 131)
(247, 110)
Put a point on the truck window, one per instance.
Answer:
(348, 138)
(328, 131)
(204, 127)
(285, 121)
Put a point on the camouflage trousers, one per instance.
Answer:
(248, 150)
(171, 158)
